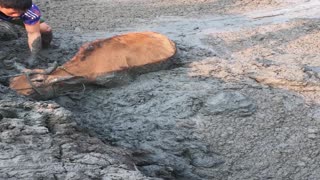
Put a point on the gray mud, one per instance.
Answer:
(240, 102)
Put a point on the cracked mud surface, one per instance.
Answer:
(241, 102)
(39, 140)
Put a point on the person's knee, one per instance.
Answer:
(45, 28)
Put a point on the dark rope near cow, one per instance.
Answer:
(54, 93)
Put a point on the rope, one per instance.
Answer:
(32, 85)
(64, 69)
(54, 91)
(83, 85)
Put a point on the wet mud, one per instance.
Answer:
(241, 100)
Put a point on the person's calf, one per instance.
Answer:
(46, 38)
(46, 35)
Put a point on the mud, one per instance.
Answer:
(240, 102)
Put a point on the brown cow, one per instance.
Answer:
(100, 62)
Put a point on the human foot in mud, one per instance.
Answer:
(27, 15)
(46, 38)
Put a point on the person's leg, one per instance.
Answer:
(46, 34)
(45, 30)
(44, 27)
